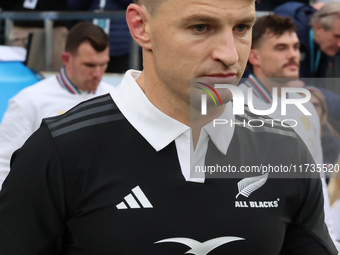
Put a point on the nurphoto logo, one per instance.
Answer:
(238, 99)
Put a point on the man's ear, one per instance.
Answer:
(254, 58)
(65, 57)
(137, 17)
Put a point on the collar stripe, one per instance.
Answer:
(63, 84)
(66, 83)
(249, 85)
(260, 89)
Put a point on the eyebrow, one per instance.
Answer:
(199, 17)
(285, 44)
(207, 18)
(280, 45)
(247, 20)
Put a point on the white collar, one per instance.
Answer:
(155, 126)
(221, 135)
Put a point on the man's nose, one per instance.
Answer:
(98, 72)
(294, 53)
(225, 49)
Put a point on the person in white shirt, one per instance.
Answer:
(274, 63)
(85, 60)
(334, 199)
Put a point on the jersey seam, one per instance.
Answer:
(14, 244)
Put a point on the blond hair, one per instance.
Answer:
(334, 184)
(150, 5)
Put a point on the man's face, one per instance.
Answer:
(329, 41)
(86, 68)
(279, 57)
(200, 39)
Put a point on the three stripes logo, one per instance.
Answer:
(204, 97)
(135, 200)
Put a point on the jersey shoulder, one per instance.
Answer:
(98, 110)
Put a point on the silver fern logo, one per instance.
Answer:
(199, 248)
(251, 184)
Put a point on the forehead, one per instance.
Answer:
(85, 49)
(336, 26)
(215, 9)
(286, 38)
(86, 53)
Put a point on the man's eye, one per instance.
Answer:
(200, 28)
(241, 28)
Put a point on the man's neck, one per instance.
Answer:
(173, 104)
(163, 99)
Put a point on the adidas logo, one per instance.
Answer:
(133, 199)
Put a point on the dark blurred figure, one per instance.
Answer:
(120, 39)
(18, 36)
(329, 136)
(36, 5)
(319, 34)
(270, 5)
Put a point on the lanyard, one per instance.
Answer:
(102, 4)
(314, 63)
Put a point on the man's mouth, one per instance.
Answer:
(291, 66)
(222, 75)
(221, 78)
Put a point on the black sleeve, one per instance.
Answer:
(32, 199)
(308, 233)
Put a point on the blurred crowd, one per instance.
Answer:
(120, 39)
(303, 49)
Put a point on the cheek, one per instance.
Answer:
(243, 49)
(84, 72)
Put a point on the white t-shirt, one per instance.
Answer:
(26, 110)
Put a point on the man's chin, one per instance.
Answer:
(331, 52)
(291, 75)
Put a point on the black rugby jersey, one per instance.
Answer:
(88, 183)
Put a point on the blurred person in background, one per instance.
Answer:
(318, 32)
(18, 36)
(329, 136)
(85, 61)
(334, 198)
(275, 54)
(270, 5)
(274, 63)
(119, 35)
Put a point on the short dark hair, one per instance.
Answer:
(152, 5)
(270, 24)
(86, 31)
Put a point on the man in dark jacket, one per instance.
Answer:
(319, 34)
